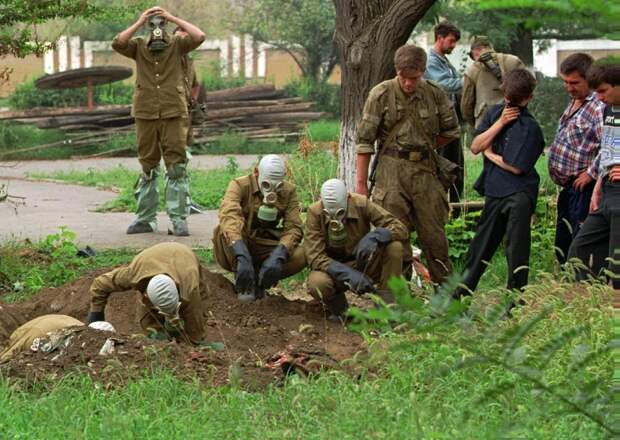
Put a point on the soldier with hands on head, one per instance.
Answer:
(409, 117)
(260, 230)
(345, 253)
(172, 283)
(483, 79)
(160, 109)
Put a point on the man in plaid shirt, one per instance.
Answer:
(573, 151)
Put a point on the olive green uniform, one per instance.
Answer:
(23, 337)
(160, 110)
(239, 221)
(406, 182)
(361, 215)
(173, 259)
(191, 82)
(481, 88)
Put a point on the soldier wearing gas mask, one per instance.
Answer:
(173, 286)
(260, 230)
(160, 109)
(482, 79)
(344, 253)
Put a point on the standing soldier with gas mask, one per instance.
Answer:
(344, 253)
(260, 230)
(173, 286)
(160, 109)
(482, 80)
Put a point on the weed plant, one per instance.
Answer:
(27, 96)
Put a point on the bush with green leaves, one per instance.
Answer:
(308, 171)
(325, 95)
(550, 100)
(27, 95)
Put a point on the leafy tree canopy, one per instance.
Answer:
(303, 28)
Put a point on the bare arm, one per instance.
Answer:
(124, 37)
(194, 32)
(484, 140)
(363, 160)
(499, 161)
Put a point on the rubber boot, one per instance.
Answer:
(177, 192)
(147, 196)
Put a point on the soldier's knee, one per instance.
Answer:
(178, 171)
(395, 250)
(320, 285)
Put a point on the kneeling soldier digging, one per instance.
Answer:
(344, 253)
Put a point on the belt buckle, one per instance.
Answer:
(415, 156)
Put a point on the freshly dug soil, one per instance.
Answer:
(262, 340)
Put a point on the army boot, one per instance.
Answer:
(147, 196)
(177, 192)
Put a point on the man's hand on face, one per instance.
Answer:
(582, 181)
(614, 174)
(509, 114)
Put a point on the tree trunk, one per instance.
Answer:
(523, 45)
(368, 32)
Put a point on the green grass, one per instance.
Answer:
(409, 389)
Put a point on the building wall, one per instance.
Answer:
(23, 70)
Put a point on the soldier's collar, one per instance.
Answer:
(254, 184)
(401, 95)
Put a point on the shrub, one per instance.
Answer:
(213, 80)
(326, 96)
(550, 100)
(27, 95)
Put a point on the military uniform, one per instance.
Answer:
(239, 221)
(481, 88)
(406, 184)
(173, 259)
(23, 337)
(361, 215)
(160, 108)
(191, 82)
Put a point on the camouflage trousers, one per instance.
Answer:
(413, 194)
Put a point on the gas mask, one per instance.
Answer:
(157, 41)
(490, 62)
(271, 173)
(334, 197)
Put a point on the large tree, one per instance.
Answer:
(368, 32)
(303, 28)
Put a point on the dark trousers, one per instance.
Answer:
(573, 207)
(508, 216)
(598, 243)
(454, 152)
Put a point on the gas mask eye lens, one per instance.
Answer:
(340, 213)
(265, 185)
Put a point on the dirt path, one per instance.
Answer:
(51, 205)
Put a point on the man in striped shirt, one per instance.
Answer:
(572, 152)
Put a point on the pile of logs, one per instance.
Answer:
(257, 112)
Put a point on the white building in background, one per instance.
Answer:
(548, 61)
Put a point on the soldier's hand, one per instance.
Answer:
(362, 188)
(360, 284)
(614, 173)
(509, 114)
(582, 181)
(156, 10)
(244, 275)
(368, 245)
(271, 270)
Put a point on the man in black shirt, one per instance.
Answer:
(511, 141)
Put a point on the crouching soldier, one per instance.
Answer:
(344, 253)
(30, 335)
(260, 230)
(170, 279)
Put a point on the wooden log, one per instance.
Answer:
(240, 93)
(470, 205)
(39, 112)
(285, 117)
(218, 105)
(243, 111)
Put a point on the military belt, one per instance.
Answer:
(413, 156)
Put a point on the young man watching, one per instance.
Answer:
(599, 236)
(511, 141)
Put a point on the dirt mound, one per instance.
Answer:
(261, 340)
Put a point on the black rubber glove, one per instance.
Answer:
(271, 270)
(244, 276)
(357, 281)
(95, 316)
(369, 244)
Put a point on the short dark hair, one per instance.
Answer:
(600, 73)
(410, 57)
(446, 28)
(578, 62)
(518, 85)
